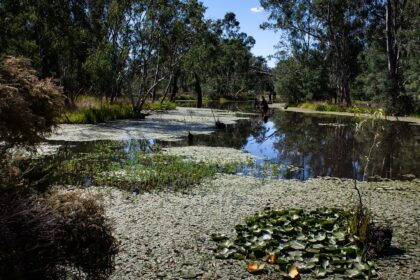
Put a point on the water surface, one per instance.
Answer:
(301, 146)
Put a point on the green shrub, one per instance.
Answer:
(376, 240)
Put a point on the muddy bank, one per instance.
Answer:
(167, 126)
(167, 235)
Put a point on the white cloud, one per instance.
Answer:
(257, 9)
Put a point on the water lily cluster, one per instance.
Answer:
(314, 242)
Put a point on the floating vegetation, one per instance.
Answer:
(297, 241)
(135, 170)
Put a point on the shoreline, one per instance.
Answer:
(280, 106)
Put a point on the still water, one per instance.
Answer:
(301, 146)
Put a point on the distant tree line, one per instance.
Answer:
(132, 48)
(346, 50)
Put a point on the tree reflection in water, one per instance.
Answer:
(323, 145)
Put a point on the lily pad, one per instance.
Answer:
(311, 241)
(297, 245)
(218, 237)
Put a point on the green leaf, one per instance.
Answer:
(297, 245)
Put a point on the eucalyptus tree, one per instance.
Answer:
(56, 35)
(160, 34)
(106, 63)
(234, 57)
(333, 25)
(189, 30)
(402, 23)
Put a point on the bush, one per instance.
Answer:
(28, 245)
(87, 235)
(51, 238)
(42, 238)
(29, 107)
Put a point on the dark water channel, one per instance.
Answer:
(301, 146)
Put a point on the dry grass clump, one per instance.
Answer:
(375, 239)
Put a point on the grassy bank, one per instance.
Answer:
(99, 115)
(359, 107)
(325, 107)
(90, 110)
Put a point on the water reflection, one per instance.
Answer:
(303, 146)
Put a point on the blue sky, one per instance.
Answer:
(250, 15)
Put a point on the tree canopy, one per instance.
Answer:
(132, 48)
(362, 47)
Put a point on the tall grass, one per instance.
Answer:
(98, 115)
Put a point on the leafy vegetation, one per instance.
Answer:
(87, 239)
(315, 242)
(342, 50)
(141, 49)
(29, 107)
(49, 238)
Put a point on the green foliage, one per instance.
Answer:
(99, 115)
(302, 79)
(315, 241)
(184, 97)
(360, 222)
(166, 105)
(362, 52)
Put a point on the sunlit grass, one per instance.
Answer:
(99, 115)
(335, 108)
(166, 105)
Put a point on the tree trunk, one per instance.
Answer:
(174, 86)
(167, 89)
(392, 50)
(197, 86)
